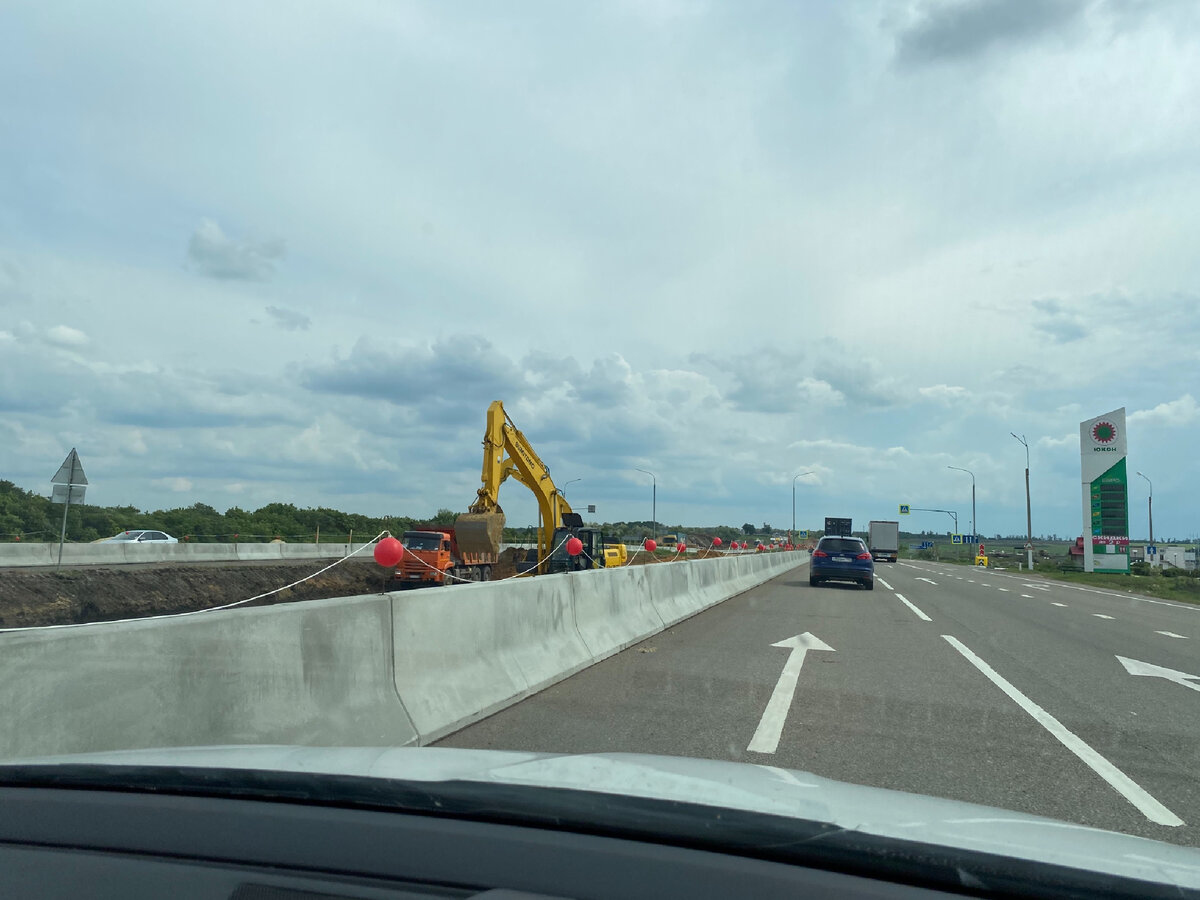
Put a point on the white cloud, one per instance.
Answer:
(66, 336)
(1182, 411)
(175, 485)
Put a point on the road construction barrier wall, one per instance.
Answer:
(378, 670)
(307, 673)
(104, 553)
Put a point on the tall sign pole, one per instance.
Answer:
(1102, 452)
(69, 484)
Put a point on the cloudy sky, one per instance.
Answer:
(290, 251)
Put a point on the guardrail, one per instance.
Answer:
(374, 670)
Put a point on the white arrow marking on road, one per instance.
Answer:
(1137, 667)
(922, 578)
(1120, 782)
(1172, 634)
(770, 726)
(1101, 616)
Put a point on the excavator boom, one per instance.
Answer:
(507, 453)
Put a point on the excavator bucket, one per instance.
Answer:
(480, 532)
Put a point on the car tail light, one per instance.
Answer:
(863, 556)
(821, 553)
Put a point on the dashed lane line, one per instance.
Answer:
(910, 605)
(884, 583)
(1101, 616)
(1172, 634)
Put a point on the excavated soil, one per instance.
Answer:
(73, 595)
(40, 596)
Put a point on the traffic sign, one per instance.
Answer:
(1151, 550)
(1029, 545)
(904, 509)
(981, 553)
(71, 471)
(802, 535)
(956, 538)
(969, 539)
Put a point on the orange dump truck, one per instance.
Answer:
(432, 557)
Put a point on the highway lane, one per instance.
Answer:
(944, 680)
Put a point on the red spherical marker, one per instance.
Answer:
(651, 545)
(760, 546)
(716, 542)
(389, 552)
(733, 545)
(682, 548)
(574, 546)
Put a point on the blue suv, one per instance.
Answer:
(842, 559)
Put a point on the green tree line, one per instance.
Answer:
(28, 516)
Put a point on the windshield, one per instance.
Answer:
(641, 300)
(422, 541)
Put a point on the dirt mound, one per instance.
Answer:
(44, 597)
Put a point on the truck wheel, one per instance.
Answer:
(485, 573)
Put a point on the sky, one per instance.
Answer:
(263, 252)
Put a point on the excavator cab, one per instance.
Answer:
(592, 556)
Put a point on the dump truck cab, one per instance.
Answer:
(433, 557)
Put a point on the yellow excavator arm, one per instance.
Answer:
(507, 453)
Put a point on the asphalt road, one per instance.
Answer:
(984, 686)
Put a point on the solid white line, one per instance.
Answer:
(920, 615)
(1172, 634)
(1120, 782)
(1101, 616)
(884, 583)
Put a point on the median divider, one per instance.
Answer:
(407, 667)
(316, 673)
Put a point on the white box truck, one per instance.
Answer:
(883, 539)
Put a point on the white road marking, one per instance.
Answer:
(1003, 589)
(1056, 603)
(920, 615)
(1101, 616)
(970, 581)
(1120, 782)
(1036, 587)
(770, 726)
(1172, 634)
(1027, 596)
(1137, 667)
(920, 578)
(884, 583)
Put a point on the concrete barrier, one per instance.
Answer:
(460, 657)
(258, 551)
(614, 610)
(306, 673)
(395, 669)
(28, 554)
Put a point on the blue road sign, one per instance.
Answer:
(956, 538)
(904, 509)
(1151, 550)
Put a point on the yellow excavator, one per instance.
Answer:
(507, 453)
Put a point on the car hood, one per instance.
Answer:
(712, 783)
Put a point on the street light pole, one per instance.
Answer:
(974, 525)
(1028, 512)
(792, 535)
(653, 502)
(1150, 507)
(563, 490)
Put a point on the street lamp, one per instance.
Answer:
(792, 536)
(1150, 508)
(653, 502)
(563, 490)
(974, 527)
(1028, 513)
